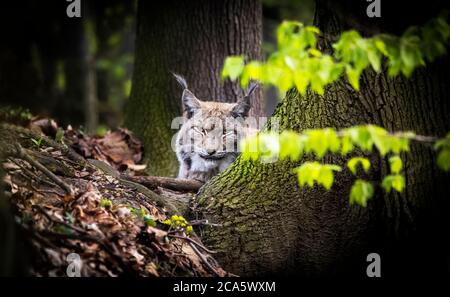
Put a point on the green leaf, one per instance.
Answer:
(249, 147)
(443, 160)
(252, 70)
(291, 145)
(149, 221)
(443, 143)
(352, 76)
(233, 67)
(380, 138)
(301, 80)
(316, 142)
(361, 192)
(396, 164)
(374, 59)
(314, 52)
(396, 182)
(353, 162)
(298, 62)
(410, 54)
(346, 145)
(310, 172)
(360, 136)
(326, 177)
(381, 46)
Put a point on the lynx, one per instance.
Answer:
(207, 142)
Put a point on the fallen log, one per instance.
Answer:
(176, 184)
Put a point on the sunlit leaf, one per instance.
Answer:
(310, 172)
(353, 163)
(396, 164)
(396, 182)
(233, 67)
(361, 192)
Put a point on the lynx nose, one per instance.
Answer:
(210, 151)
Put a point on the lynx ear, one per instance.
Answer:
(190, 103)
(242, 107)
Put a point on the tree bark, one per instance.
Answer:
(271, 226)
(191, 38)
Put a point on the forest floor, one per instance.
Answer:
(83, 208)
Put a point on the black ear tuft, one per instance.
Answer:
(180, 80)
(252, 88)
(190, 103)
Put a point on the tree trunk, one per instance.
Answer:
(191, 38)
(271, 226)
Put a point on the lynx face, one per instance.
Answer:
(207, 142)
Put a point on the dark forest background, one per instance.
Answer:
(79, 70)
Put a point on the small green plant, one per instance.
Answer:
(142, 213)
(59, 137)
(178, 222)
(105, 203)
(37, 142)
(69, 218)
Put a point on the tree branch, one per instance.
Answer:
(21, 154)
(176, 184)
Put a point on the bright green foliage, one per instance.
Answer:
(298, 62)
(266, 146)
(233, 67)
(293, 145)
(396, 164)
(353, 163)
(311, 172)
(365, 137)
(361, 192)
(318, 142)
(178, 222)
(396, 182)
(443, 159)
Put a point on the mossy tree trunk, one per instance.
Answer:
(191, 38)
(271, 226)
